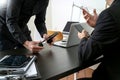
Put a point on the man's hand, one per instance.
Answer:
(33, 46)
(83, 34)
(45, 36)
(91, 19)
(50, 42)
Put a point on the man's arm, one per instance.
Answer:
(104, 35)
(12, 15)
(40, 17)
(90, 19)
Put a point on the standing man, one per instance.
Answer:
(105, 40)
(14, 16)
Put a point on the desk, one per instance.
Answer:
(53, 62)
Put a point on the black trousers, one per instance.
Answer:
(8, 45)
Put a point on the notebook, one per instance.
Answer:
(72, 39)
(87, 27)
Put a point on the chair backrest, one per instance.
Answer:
(56, 38)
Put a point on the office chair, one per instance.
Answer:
(84, 79)
(56, 38)
(84, 74)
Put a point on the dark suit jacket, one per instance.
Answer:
(14, 16)
(105, 40)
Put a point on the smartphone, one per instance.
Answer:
(49, 39)
(82, 7)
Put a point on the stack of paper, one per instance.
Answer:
(32, 71)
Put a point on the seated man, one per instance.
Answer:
(105, 40)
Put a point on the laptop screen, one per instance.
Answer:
(67, 26)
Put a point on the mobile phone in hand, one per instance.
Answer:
(49, 39)
(82, 7)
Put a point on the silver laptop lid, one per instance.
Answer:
(73, 35)
(67, 26)
(72, 38)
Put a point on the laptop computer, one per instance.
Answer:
(72, 38)
(68, 25)
(66, 30)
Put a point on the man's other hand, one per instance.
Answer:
(33, 46)
(83, 34)
(90, 19)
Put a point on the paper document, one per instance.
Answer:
(32, 71)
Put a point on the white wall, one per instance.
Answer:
(31, 25)
(59, 12)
